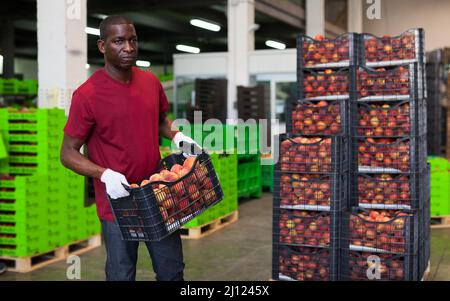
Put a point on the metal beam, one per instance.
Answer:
(291, 14)
(284, 11)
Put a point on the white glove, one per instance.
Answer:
(187, 152)
(113, 181)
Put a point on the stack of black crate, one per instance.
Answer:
(384, 233)
(253, 102)
(211, 99)
(436, 92)
(311, 176)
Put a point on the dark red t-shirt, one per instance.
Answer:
(120, 125)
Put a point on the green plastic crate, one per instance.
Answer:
(439, 164)
(440, 191)
(22, 228)
(3, 151)
(8, 86)
(250, 177)
(267, 176)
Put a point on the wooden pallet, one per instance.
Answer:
(31, 263)
(209, 228)
(440, 222)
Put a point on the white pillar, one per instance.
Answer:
(355, 16)
(241, 40)
(315, 17)
(62, 50)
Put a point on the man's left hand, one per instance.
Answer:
(187, 145)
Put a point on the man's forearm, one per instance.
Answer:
(166, 130)
(74, 160)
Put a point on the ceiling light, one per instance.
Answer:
(87, 66)
(100, 16)
(205, 25)
(144, 64)
(189, 49)
(92, 31)
(275, 44)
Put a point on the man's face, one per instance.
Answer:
(120, 47)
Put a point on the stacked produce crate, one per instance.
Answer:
(382, 234)
(55, 205)
(23, 215)
(311, 175)
(440, 183)
(211, 98)
(253, 102)
(436, 93)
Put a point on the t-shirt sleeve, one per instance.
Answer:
(163, 104)
(81, 119)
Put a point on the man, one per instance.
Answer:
(119, 113)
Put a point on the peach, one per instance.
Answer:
(176, 168)
(189, 162)
(145, 182)
(156, 177)
(170, 177)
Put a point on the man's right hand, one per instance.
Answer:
(113, 181)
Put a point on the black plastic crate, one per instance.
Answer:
(389, 155)
(253, 102)
(305, 228)
(303, 264)
(369, 266)
(407, 47)
(157, 209)
(325, 84)
(313, 155)
(380, 231)
(311, 191)
(398, 83)
(317, 118)
(327, 53)
(425, 232)
(388, 191)
(389, 119)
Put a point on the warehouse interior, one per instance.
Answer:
(378, 69)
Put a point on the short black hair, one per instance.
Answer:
(112, 20)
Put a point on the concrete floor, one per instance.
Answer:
(241, 251)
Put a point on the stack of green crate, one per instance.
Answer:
(3, 151)
(440, 183)
(93, 225)
(227, 178)
(267, 174)
(8, 86)
(23, 216)
(76, 217)
(250, 177)
(33, 139)
(18, 87)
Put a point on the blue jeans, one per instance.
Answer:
(166, 256)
